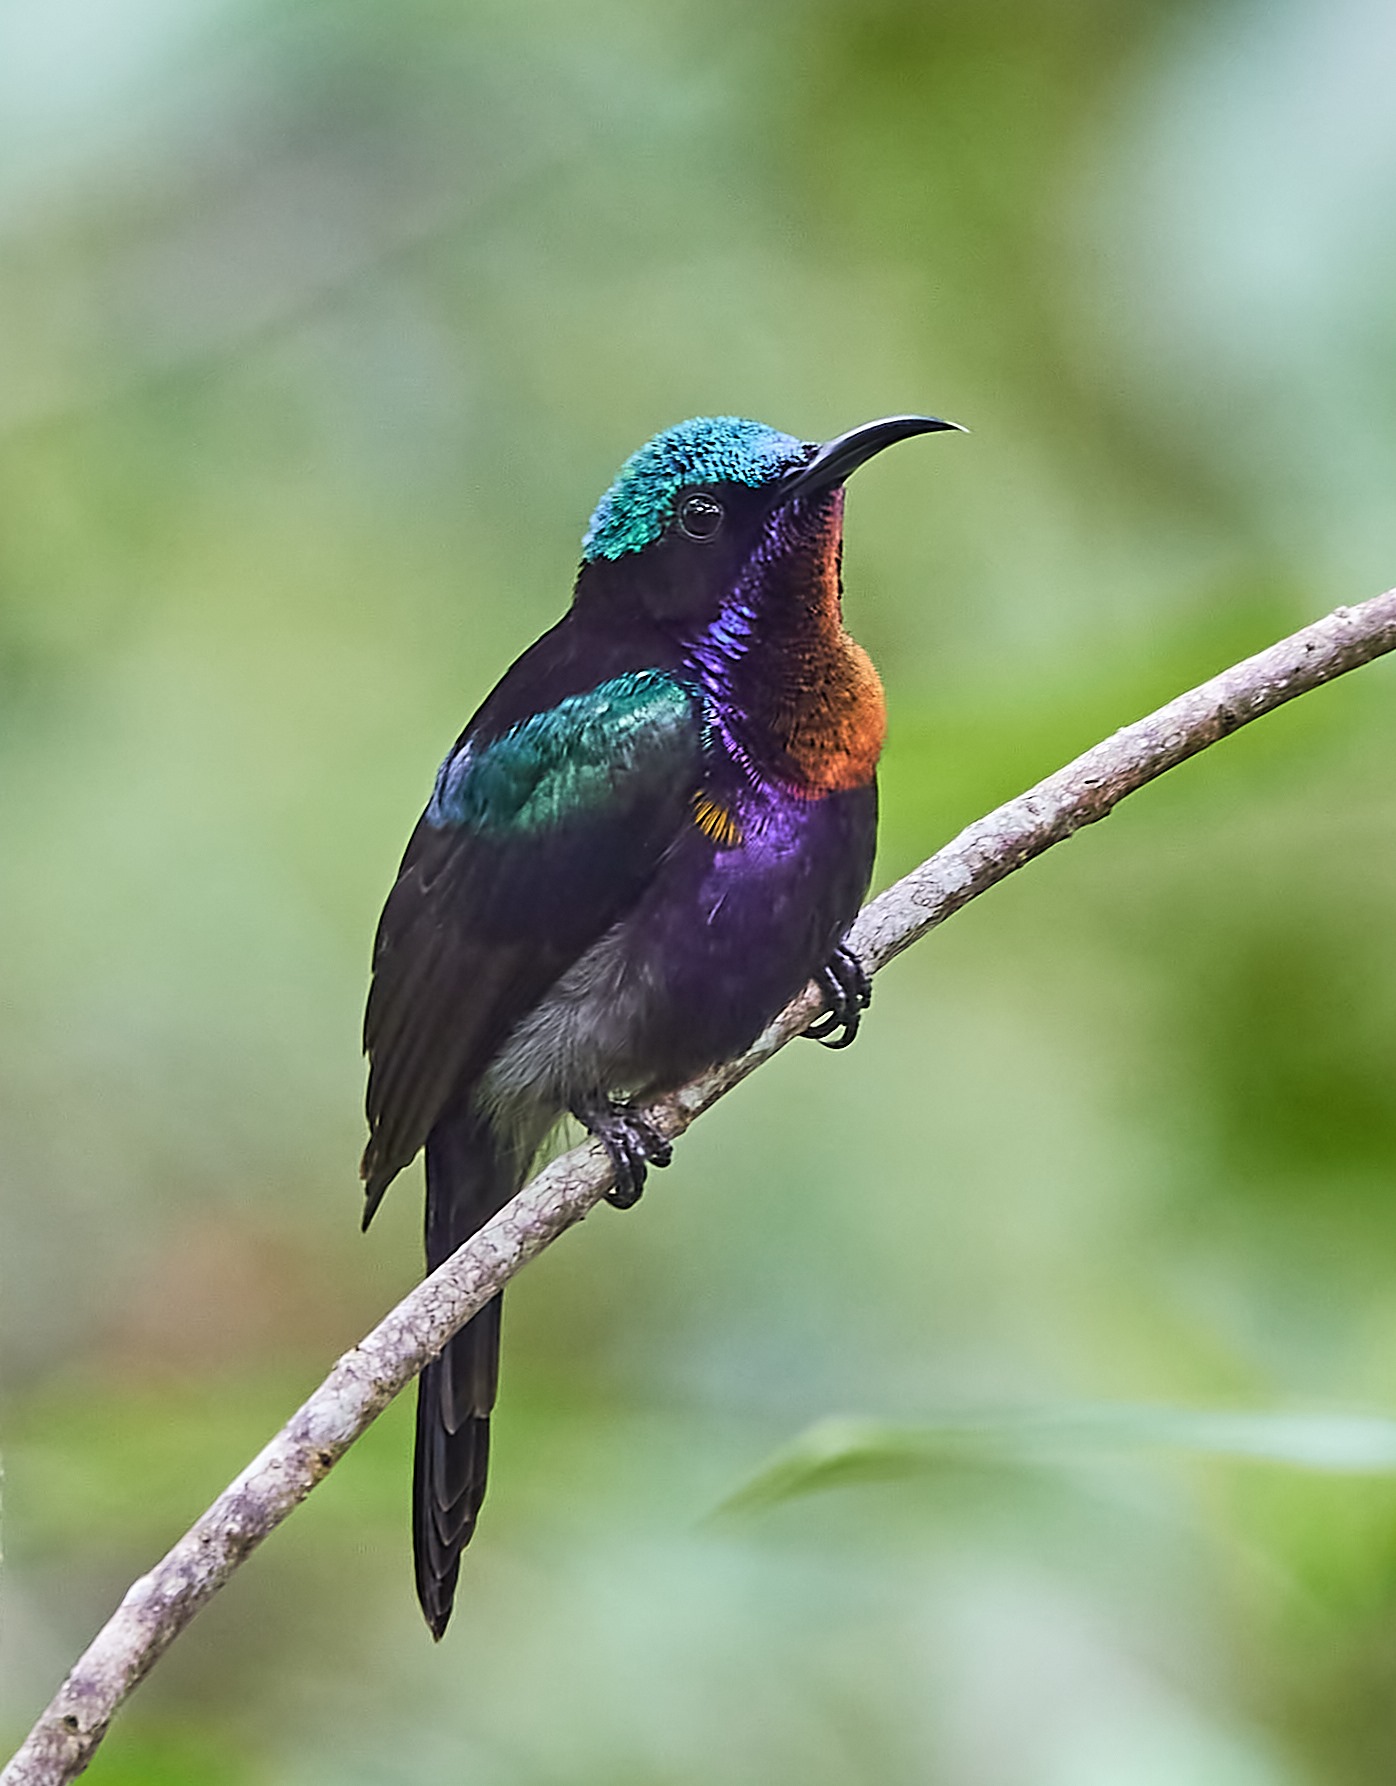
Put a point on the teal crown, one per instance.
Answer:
(723, 449)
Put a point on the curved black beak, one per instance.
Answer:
(839, 458)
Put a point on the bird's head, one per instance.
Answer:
(721, 512)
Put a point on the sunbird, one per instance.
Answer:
(654, 832)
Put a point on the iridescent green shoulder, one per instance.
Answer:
(589, 752)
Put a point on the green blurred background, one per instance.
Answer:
(325, 322)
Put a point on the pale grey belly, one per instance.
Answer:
(578, 1043)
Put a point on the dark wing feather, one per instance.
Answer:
(534, 844)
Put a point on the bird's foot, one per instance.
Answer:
(633, 1144)
(847, 994)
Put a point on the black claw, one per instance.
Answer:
(633, 1144)
(847, 993)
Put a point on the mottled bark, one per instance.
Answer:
(158, 1607)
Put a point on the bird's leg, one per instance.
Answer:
(847, 994)
(633, 1144)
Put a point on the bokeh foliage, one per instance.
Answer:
(324, 326)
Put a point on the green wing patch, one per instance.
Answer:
(571, 758)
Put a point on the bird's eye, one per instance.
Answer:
(700, 516)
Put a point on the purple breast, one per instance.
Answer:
(726, 936)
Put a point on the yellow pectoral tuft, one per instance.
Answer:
(714, 821)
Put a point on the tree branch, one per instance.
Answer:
(158, 1607)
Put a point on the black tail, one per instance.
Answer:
(469, 1177)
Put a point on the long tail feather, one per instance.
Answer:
(469, 1177)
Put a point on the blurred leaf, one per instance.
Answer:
(839, 1451)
